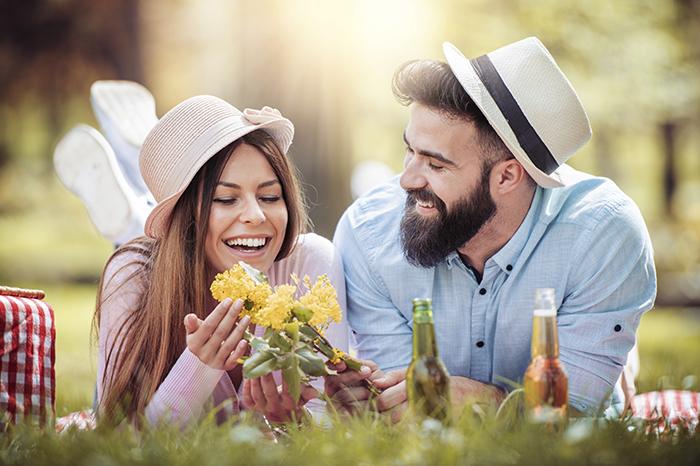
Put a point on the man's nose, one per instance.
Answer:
(412, 178)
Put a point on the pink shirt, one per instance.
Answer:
(191, 387)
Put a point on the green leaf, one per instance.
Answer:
(258, 344)
(280, 341)
(307, 331)
(260, 364)
(302, 313)
(292, 377)
(257, 276)
(311, 364)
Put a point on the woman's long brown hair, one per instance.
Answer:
(174, 276)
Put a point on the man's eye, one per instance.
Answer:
(436, 168)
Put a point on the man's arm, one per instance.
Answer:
(613, 284)
(381, 332)
(383, 336)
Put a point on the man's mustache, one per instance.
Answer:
(425, 196)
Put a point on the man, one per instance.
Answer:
(484, 213)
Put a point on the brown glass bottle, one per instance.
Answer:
(427, 379)
(546, 383)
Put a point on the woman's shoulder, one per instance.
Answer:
(127, 264)
(313, 255)
(312, 243)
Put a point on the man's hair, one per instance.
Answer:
(432, 83)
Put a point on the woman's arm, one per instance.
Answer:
(182, 395)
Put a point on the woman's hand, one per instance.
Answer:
(217, 340)
(264, 396)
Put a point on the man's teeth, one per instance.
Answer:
(249, 242)
(426, 205)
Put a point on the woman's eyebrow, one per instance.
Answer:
(264, 184)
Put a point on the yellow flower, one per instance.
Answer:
(235, 283)
(323, 301)
(278, 310)
(337, 356)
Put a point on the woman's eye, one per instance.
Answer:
(270, 199)
(225, 200)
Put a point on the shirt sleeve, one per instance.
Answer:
(381, 332)
(190, 383)
(612, 284)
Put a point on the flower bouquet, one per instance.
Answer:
(293, 341)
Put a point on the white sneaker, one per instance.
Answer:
(126, 112)
(87, 166)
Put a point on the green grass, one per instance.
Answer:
(669, 344)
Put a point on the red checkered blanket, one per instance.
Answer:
(27, 356)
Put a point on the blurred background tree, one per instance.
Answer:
(328, 66)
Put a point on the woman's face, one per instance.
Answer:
(248, 216)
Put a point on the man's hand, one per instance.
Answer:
(347, 390)
(394, 400)
(464, 390)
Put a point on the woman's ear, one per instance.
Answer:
(507, 176)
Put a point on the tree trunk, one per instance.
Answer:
(669, 132)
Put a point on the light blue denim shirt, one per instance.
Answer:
(587, 240)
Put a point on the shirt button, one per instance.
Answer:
(618, 327)
(479, 344)
(509, 267)
(482, 291)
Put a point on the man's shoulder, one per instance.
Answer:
(588, 202)
(377, 214)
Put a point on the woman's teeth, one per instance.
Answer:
(246, 242)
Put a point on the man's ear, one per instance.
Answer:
(507, 176)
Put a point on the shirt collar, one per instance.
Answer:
(507, 256)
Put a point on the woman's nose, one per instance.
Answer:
(252, 213)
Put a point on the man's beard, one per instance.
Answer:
(427, 241)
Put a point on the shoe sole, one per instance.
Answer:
(129, 106)
(87, 166)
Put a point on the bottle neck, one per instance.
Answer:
(545, 341)
(423, 336)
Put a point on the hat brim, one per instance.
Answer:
(281, 131)
(465, 74)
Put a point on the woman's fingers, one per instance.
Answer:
(200, 336)
(235, 355)
(269, 388)
(248, 401)
(307, 393)
(230, 342)
(256, 393)
(192, 323)
(223, 327)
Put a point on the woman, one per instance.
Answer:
(226, 192)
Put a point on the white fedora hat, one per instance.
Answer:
(187, 137)
(529, 103)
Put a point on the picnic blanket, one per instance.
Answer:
(27, 357)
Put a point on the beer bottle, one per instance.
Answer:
(427, 379)
(546, 384)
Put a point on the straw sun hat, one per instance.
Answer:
(529, 103)
(187, 137)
